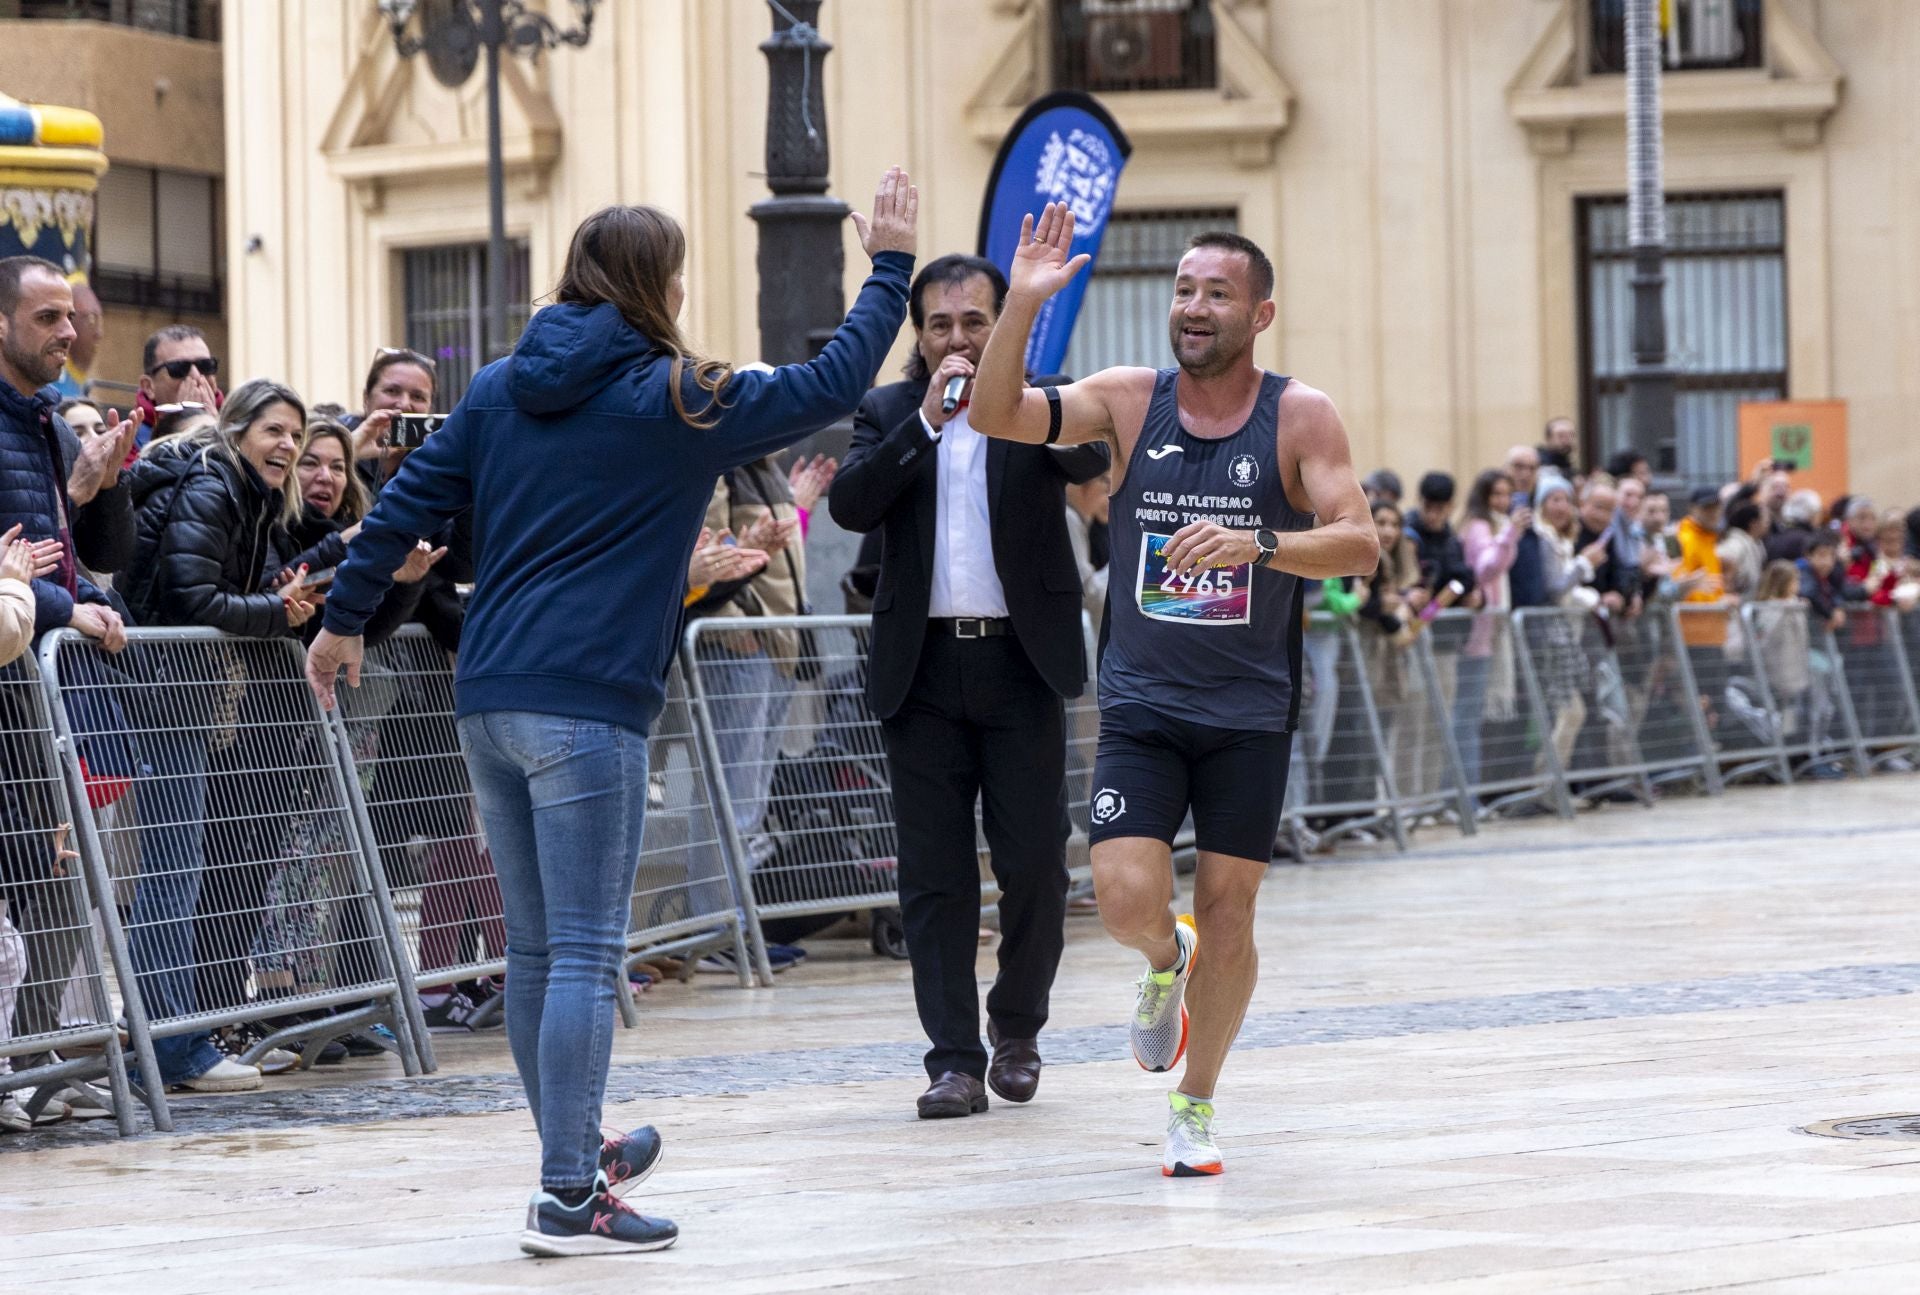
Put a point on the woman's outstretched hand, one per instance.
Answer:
(896, 216)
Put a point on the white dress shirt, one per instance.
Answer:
(964, 581)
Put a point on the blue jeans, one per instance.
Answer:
(563, 802)
(172, 799)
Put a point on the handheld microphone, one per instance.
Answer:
(950, 398)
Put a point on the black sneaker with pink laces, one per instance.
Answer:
(599, 1224)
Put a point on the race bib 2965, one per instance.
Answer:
(1211, 596)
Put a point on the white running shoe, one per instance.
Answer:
(229, 1076)
(1159, 1025)
(13, 1113)
(1191, 1152)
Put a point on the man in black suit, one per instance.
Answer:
(976, 640)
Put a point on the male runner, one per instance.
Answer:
(1220, 470)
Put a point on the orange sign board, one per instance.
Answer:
(1809, 436)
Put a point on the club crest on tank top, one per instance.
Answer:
(1219, 646)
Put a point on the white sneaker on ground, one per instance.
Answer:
(227, 1077)
(84, 1102)
(1158, 1029)
(277, 1061)
(13, 1113)
(1191, 1152)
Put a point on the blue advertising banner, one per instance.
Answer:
(1066, 148)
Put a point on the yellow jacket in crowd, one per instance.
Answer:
(1699, 552)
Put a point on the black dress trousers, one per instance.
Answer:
(981, 723)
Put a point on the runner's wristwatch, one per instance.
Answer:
(1268, 543)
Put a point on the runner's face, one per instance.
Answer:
(958, 319)
(1212, 322)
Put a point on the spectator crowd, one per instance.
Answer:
(200, 506)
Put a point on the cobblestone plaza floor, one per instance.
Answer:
(1554, 1057)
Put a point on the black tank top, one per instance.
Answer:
(1222, 647)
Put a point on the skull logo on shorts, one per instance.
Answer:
(1108, 805)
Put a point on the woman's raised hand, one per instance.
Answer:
(896, 216)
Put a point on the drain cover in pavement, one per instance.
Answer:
(1899, 1128)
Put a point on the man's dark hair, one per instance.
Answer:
(955, 267)
(1743, 515)
(1822, 540)
(1436, 488)
(13, 272)
(1621, 463)
(171, 333)
(1259, 268)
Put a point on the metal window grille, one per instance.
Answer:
(1702, 35)
(1108, 45)
(194, 19)
(1124, 317)
(446, 311)
(158, 241)
(1726, 307)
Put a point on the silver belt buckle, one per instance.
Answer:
(960, 627)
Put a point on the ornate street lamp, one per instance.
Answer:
(453, 34)
(800, 259)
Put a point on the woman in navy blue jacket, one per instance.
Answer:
(588, 457)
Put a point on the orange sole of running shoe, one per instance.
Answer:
(1178, 1052)
(1188, 1171)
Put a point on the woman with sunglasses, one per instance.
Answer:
(588, 458)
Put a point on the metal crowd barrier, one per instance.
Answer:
(1880, 686)
(1725, 675)
(799, 768)
(254, 906)
(421, 817)
(1342, 780)
(1502, 737)
(47, 948)
(264, 837)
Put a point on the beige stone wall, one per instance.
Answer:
(1422, 230)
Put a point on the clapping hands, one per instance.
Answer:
(809, 480)
(717, 560)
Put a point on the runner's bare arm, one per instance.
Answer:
(1345, 542)
(1003, 405)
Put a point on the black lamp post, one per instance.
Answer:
(800, 258)
(452, 34)
(1650, 385)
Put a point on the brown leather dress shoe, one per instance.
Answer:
(952, 1095)
(1014, 1072)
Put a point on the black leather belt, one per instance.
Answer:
(973, 627)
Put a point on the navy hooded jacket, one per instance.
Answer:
(588, 492)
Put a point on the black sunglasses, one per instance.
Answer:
(178, 369)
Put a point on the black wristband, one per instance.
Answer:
(1053, 414)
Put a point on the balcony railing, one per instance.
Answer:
(1118, 45)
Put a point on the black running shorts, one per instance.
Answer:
(1153, 768)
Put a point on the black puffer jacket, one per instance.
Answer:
(204, 547)
(315, 541)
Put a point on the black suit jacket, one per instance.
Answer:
(890, 482)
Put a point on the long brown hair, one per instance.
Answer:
(628, 256)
